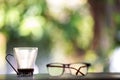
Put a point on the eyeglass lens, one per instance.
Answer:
(56, 69)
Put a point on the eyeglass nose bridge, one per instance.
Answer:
(66, 65)
(66, 68)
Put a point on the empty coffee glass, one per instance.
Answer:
(25, 58)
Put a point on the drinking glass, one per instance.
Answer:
(25, 58)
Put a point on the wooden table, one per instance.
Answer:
(89, 76)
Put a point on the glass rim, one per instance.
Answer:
(25, 48)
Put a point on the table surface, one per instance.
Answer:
(89, 76)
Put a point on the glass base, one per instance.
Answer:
(25, 72)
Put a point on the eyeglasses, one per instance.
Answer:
(57, 69)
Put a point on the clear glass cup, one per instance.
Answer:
(25, 58)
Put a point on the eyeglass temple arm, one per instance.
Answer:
(77, 70)
(87, 65)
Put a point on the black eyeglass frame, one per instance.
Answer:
(68, 66)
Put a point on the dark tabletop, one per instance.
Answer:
(89, 76)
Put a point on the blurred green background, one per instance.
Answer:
(63, 30)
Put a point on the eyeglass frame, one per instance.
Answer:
(68, 66)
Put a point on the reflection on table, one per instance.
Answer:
(89, 76)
